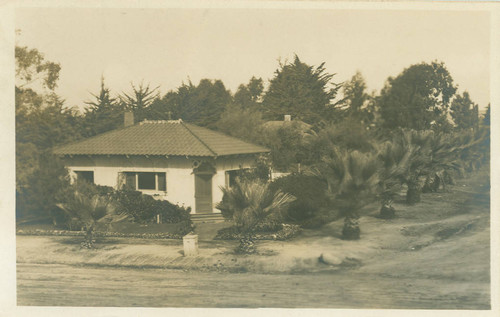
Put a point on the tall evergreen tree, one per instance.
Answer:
(464, 112)
(303, 91)
(250, 95)
(139, 100)
(486, 117)
(356, 100)
(202, 105)
(104, 113)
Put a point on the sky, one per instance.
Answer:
(166, 47)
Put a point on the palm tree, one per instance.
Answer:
(248, 204)
(394, 157)
(89, 209)
(474, 150)
(450, 153)
(353, 178)
(444, 157)
(412, 155)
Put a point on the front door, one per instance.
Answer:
(203, 192)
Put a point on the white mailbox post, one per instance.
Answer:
(190, 242)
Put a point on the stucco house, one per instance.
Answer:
(168, 159)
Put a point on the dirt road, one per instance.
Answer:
(63, 285)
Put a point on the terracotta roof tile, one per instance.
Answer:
(172, 137)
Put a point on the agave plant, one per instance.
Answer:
(248, 204)
(353, 178)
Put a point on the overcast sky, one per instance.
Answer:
(168, 46)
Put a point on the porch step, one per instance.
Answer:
(207, 217)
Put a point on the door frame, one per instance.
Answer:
(204, 169)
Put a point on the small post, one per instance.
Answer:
(190, 242)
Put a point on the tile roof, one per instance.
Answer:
(164, 137)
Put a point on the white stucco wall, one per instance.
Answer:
(179, 173)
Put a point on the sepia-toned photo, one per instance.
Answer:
(279, 155)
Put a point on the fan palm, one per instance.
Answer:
(248, 204)
(90, 209)
(352, 179)
(413, 151)
(444, 157)
(474, 148)
(395, 158)
(451, 153)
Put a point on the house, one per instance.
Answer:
(168, 159)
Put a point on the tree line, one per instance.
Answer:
(422, 97)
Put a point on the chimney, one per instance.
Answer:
(288, 118)
(128, 119)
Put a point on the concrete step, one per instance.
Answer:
(207, 217)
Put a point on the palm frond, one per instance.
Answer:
(250, 203)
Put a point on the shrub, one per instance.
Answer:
(35, 191)
(323, 216)
(144, 208)
(310, 193)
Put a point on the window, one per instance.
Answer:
(146, 181)
(87, 176)
(232, 175)
(130, 181)
(162, 181)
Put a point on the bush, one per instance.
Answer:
(35, 192)
(310, 192)
(140, 207)
(144, 208)
(322, 217)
